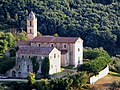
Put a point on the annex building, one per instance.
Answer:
(61, 51)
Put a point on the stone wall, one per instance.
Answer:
(101, 74)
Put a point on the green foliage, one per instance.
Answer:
(55, 35)
(31, 78)
(7, 40)
(13, 86)
(6, 64)
(115, 65)
(90, 54)
(11, 39)
(72, 82)
(115, 85)
(79, 80)
(12, 52)
(43, 85)
(45, 66)
(35, 64)
(97, 63)
(104, 1)
(31, 81)
(22, 36)
(97, 24)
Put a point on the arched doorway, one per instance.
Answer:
(13, 74)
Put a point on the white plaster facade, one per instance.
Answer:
(24, 64)
(55, 61)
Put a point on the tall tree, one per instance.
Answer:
(45, 67)
(35, 64)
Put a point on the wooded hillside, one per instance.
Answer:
(97, 22)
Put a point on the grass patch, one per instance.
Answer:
(62, 69)
(115, 74)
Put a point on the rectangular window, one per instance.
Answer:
(30, 31)
(54, 55)
(39, 45)
(65, 46)
(28, 68)
(78, 49)
(22, 56)
(30, 23)
(19, 67)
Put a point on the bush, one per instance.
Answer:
(115, 85)
(115, 65)
(97, 62)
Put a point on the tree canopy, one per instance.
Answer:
(45, 66)
(98, 60)
(7, 40)
(97, 22)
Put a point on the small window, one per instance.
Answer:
(30, 31)
(65, 46)
(39, 45)
(22, 56)
(78, 49)
(58, 56)
(19, 66)
(29, 57)
(51, 45)
(54, 55)
(30, 23)
(28, 68)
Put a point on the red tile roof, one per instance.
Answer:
(35, 50)
(20, 43)
(51, 39)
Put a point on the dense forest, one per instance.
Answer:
(97, 22)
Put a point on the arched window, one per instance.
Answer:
(30, 31)
(19, 66)
(22, 56)
(30, 23)
(28, 68)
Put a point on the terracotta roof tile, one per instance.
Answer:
(35, 50)
(47, 39)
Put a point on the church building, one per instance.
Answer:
(61, 51)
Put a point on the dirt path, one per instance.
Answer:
(106, 81)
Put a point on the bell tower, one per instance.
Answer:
(31, 26)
